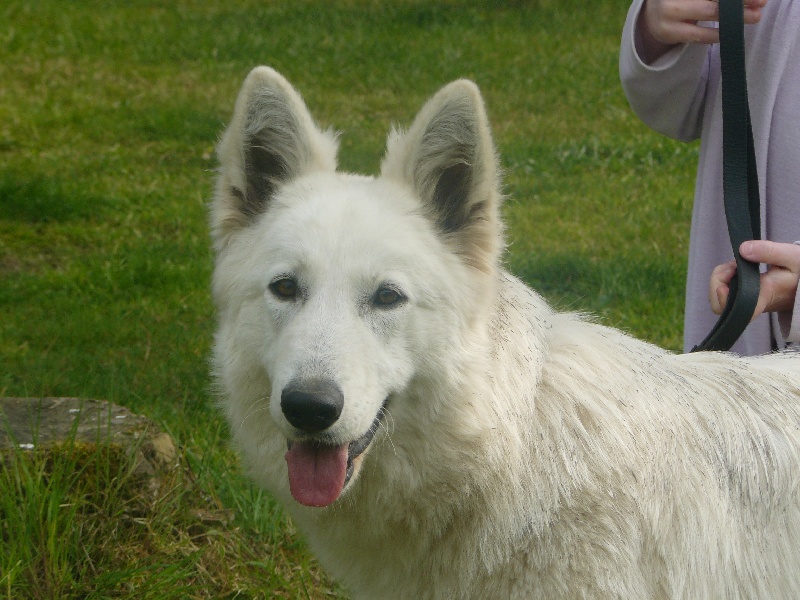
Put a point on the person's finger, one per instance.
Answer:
(681, 32)
(778, 290)
(752, 15)
(676, 21)
(755, 4)
(719, 298)
(724, 273)
(693, 10)
(718, 285)
(710, 11)
(672, 11)
(772, 253)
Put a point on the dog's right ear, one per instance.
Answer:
(271, 140)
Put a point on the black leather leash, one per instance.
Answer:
(739, 180)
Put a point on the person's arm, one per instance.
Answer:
(778, 285)
(664, 61)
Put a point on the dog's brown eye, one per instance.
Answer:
(387, 297)
(284, 288)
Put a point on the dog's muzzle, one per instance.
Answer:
(318, 470)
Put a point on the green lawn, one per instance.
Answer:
(109, 113)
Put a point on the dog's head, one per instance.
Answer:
(337, 292)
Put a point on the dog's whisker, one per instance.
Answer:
(386, 423)
(258, 406)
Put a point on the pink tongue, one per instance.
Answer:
(316, 473)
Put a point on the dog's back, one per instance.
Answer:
(641, 474)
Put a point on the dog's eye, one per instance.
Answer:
(284, 288)
(387, 297)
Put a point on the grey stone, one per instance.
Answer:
(42, 423)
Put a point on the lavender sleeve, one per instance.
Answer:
(668, 95)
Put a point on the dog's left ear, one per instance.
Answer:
(448, 158)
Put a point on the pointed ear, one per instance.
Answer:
(448, 158)
(271, 140)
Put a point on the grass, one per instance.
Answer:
(78, 522)
(108, 118)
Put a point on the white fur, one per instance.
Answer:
(523, 453)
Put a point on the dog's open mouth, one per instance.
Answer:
(318, 473)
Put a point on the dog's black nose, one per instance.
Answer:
(312, 405)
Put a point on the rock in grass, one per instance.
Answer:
(47, 423)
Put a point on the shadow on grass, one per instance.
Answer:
(642, 295)
(44, 199)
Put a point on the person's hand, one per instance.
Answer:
(778, 284)
(665, 23)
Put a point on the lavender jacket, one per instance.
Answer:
(679, 96)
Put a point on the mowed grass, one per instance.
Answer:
(109, 113)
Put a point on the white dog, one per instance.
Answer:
(434, 428)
